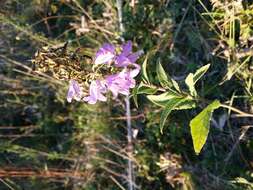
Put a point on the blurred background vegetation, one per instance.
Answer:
(46, 143)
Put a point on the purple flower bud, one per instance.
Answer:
(74, 91)
(97, 88)
(105, 54)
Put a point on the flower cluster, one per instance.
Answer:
(123, 69)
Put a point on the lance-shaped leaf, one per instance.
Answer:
(200, 126)
(142, 89)
(146, 89)
(200, 72)
(191, 79)
(190, 83)
(163, 78)
(171, 105)
(144, 71)
(162, 99)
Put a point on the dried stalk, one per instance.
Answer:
(49, 173)
(128, 114)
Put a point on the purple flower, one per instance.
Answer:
(127, 57)
(74, 91)
(105, 54)
(120, 83)
(97, 88)
(134, 72)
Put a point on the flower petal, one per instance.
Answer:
(74, 91)
(134, 56)
(95, 93)
(136, 71)
(127, 48)
(105, 54)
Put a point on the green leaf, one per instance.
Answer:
(144, 70)
(144, 89)
(191, 79)
(200, 72)
(135, 96)
(187, 104)
(162, 99)
(171, 105)
(163, 78)
(175, 85)
(200, 126)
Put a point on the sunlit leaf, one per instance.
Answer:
(163, 78)
(200, 72)
(191, 79)
(162, 99)
(200, 126)
(144, 89)
(144, 70)
(175, 85)
(187, 104)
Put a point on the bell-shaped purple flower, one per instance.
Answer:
(127, 57)
(97, 88)
(120, 83)
(74, 91)
(105, 54)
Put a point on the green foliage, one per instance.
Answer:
(200, 126)
(171, 104)
(192, 79)
(179, 100)
(163, 78)
(144, 70)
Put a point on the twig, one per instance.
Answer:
(49, 173)
(117, 183)
(124, 117)
(242, 114)
(5, 183)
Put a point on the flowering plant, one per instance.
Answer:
(113, 72)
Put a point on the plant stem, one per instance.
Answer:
(129, 145)
(128, 113)
(242, 114)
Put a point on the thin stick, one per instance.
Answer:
(5, 183)
(128, 113)
(117, 183)
(129, 145)
(243, 114)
